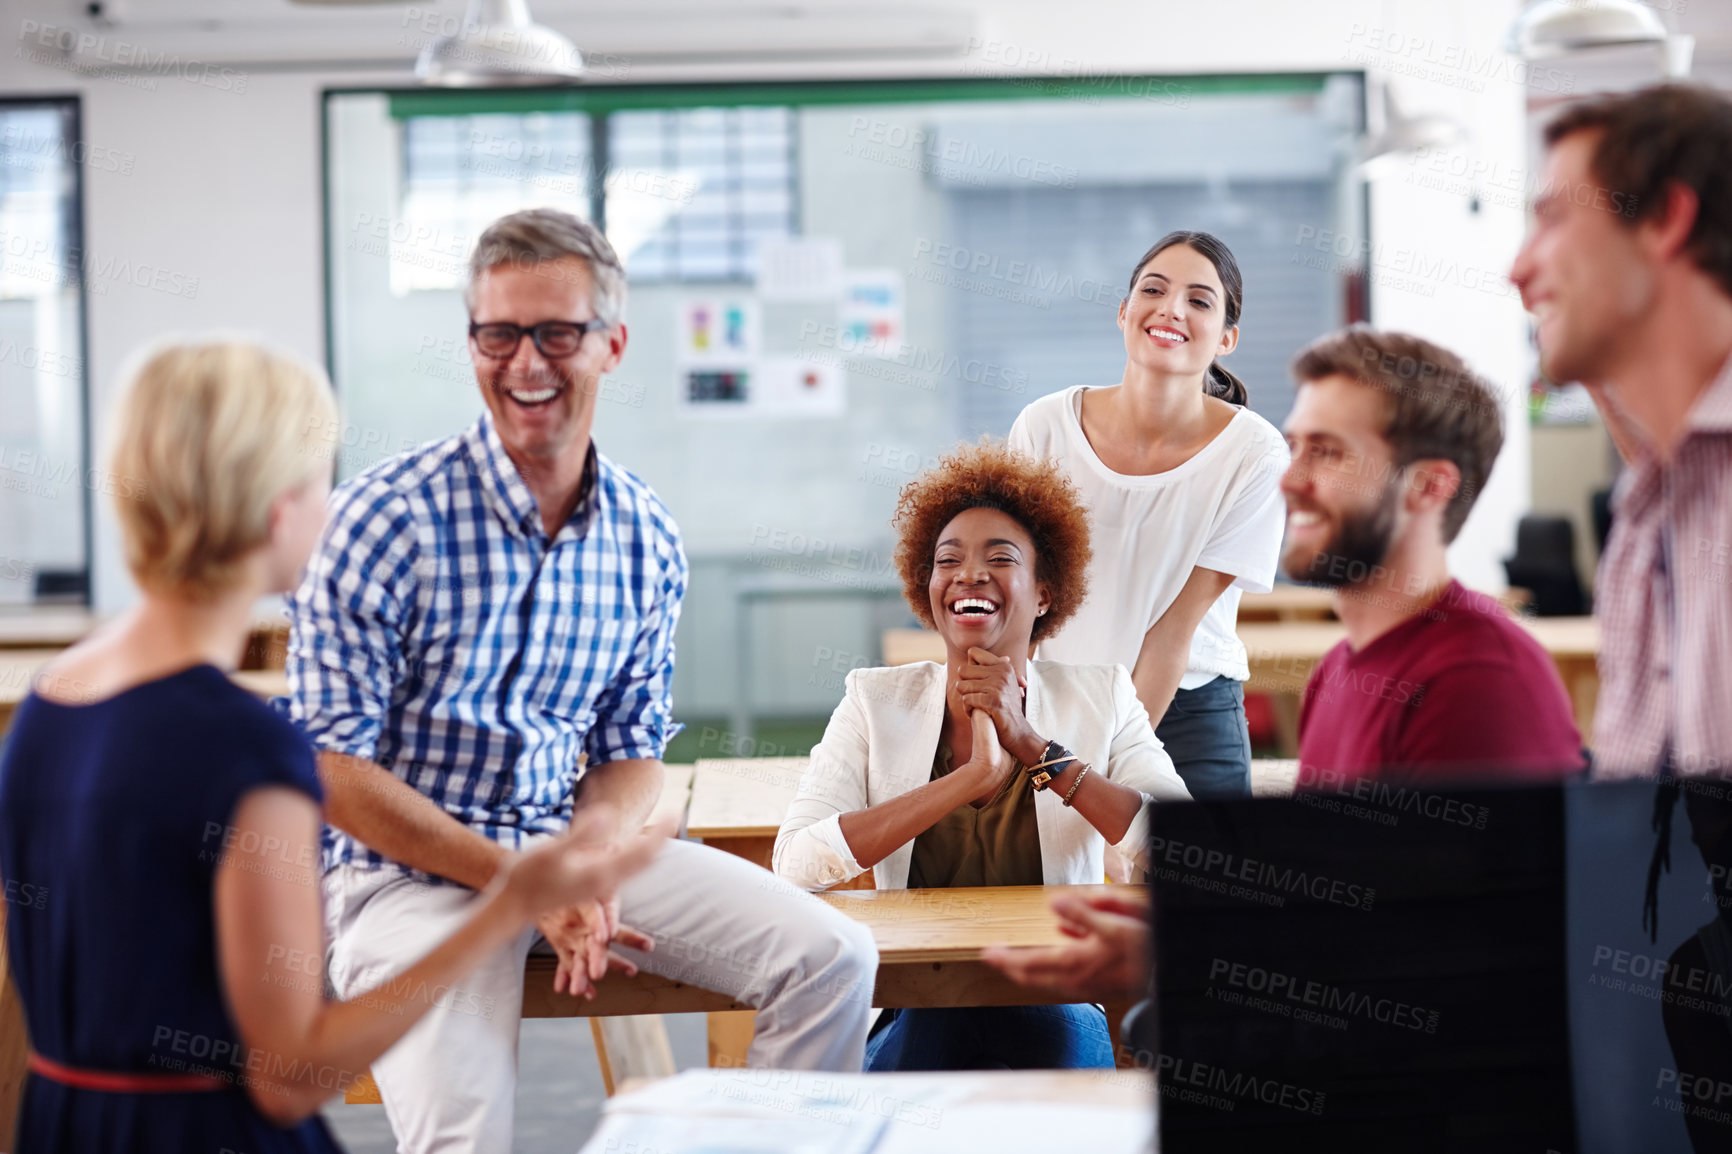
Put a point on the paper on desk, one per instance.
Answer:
(1015, 1127)
(785, 1111)
(629, 1133)
(789, 1112)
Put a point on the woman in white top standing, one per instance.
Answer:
(1182, 484)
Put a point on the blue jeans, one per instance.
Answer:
(993, 1038)
(1205, 734)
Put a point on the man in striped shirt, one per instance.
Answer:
(1628, 271)
(484, 618)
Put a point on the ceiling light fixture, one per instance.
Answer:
(1553, 27)
(1402, 134)
(498, 44)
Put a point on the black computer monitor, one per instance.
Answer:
(1383, 967)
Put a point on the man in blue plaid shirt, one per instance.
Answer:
(485, 617)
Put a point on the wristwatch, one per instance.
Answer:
(1052, 762)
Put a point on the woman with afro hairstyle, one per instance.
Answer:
(992, 768)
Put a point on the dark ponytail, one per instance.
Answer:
(1217, 382)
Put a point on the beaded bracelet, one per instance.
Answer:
(1070, 793)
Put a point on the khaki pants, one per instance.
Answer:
(717, 921)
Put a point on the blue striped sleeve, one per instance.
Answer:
(634, 718)
(346, 620)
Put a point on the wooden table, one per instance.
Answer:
(676, 797)
(1312, 603)
(45, 627)
(58, 627)
(19, 667)
(1288, 603)
(1282, 656)
(738, 803)
(930, 941)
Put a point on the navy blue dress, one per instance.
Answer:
(111, 826)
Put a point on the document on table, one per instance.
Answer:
(740, 1112)
(791, 1112)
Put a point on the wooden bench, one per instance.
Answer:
(930, 944)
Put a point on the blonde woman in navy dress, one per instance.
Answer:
(166, 823)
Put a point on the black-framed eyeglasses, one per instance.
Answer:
(553, 339)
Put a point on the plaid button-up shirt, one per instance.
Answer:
(1664, 599)
(441, 634)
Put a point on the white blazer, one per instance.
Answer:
(881, 740)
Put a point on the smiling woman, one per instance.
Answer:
(1043, 503)
(992, 769)
(1180, 481)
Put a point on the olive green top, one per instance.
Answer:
(996, 844)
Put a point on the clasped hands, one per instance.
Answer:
(581, 933)
(992, 692)
(1106, 956)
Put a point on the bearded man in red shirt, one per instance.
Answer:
(1393, 438)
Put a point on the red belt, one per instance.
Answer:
(115, 1083)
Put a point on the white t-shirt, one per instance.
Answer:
(1220, 510)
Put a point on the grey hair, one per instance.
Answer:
(538, 235)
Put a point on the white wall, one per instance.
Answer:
(225, 184)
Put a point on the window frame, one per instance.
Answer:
(598, 130)
(71, 107)
(598, 99)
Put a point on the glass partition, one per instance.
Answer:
(830, 286)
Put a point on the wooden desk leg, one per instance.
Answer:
(1123, 1056)
(13, 1046)
(1285, 707)
(731, 1037)
(632, 1047)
